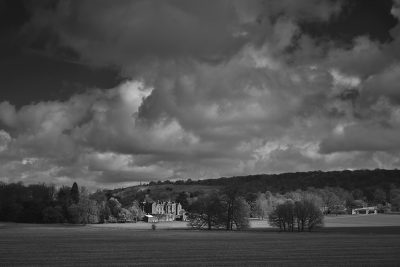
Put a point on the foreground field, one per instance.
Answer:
(84, 245)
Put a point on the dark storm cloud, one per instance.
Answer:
(213, 88)
(116, 33)
(357, 18)
(123, 32)
(33, 67)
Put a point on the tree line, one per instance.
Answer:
(228, 207)
(365, 181)
(43, 203)
(331, 200)
(299, 210)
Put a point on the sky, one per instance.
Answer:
(112, 93)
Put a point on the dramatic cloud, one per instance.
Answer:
(127, 33)
(213, 88)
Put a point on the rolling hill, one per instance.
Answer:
(364, 180)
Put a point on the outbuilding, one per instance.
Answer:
(365, 210)
(149, 218)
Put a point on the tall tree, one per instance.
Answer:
(241, 213)
(307, 215)
(379, 196)
(230, 194)
(283, 216)
(136, 211)
(262, 206)
(115, 206)
(182, 198)
(207, 212)
(75, 193)
(331, 200)
(88, 208)
(395, 199)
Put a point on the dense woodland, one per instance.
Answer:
(365, 180)
(212, 203)
(43, 203)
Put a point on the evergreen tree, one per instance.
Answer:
(75, 193)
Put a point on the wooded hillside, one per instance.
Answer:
(366, 181)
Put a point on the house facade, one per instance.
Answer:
(164, 210)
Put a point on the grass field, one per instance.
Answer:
(362, 220)
(58, 245)
(373, 220)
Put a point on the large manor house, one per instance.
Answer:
(163, 211)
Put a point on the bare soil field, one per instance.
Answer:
(59, 245)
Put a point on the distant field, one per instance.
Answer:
(143, 225)
(330, 221)
(58, 245)
(377, 220)
(362, 220)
